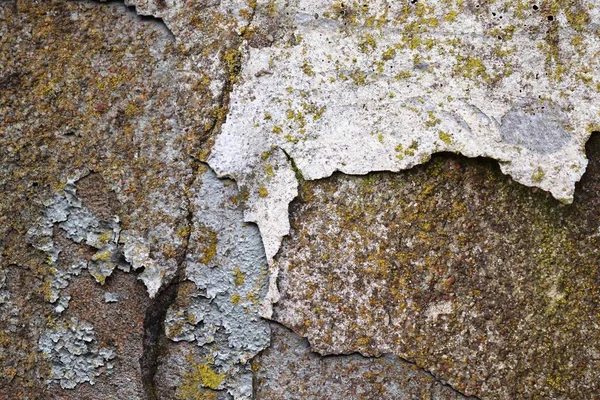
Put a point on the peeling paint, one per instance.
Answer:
(274, 94)
(111, 297)
(4, 294)
(384, 86)
(67, 212)
(221, 313)
(74, 354)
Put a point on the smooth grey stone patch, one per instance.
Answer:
(541, 131)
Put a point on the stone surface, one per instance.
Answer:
(289, 370)
(102, 114)
(491, 286)
(129, 102)
(117, 326)
(183, 373)
(150, 149)
(383, 85)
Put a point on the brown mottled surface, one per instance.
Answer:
(118, 325)
(26, 314)
(490, 285)
(73, 95)
(97, 196)
(93, 91)
(289, 370)
(93, 87)
(22, 318)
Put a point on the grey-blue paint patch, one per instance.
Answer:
(230, 275)
(537, 130)
(67, 211)
(72, 350)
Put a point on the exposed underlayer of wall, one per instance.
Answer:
(241, 199)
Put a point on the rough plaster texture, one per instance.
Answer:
(182, 374)
(130, 102)
(383, 85)
(118, 326)
(110, 110)
(90, 87)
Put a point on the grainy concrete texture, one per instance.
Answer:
(299, 199)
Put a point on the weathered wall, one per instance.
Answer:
(175, 174)
(489, 285)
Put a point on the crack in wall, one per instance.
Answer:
(393, 356)
(125, 52)
(156, 312)
(424, 263)
(232, 59)
(227, 266)
(154, 333)
(154, 321)
(382, 355)
(328, 104)
(289, 367)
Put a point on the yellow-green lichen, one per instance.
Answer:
(196, 380)
(238, 277)
(403, 75)
(389, 54)
(236, 299)
(263, 192)
(399, 152)
(367, 44)
(358, 77)
(102, 256)
(270, 171)
(307, 69)
(538, 175)
(472, 68)
(445, 137)
(433, 120)
(209, 250)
